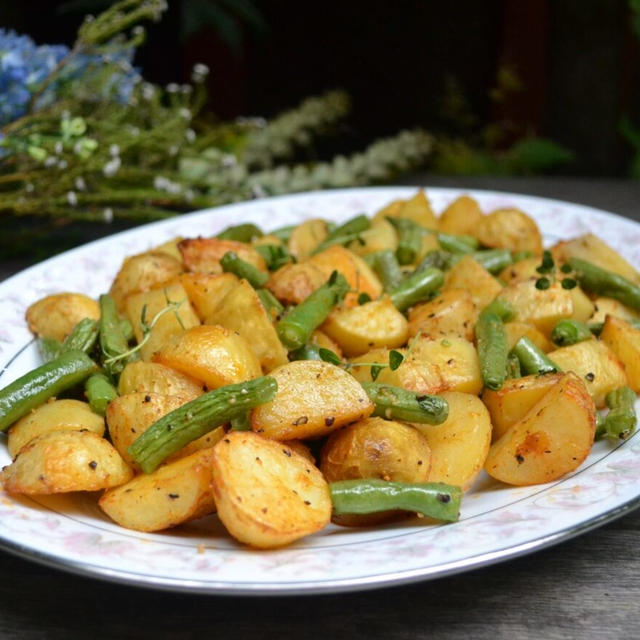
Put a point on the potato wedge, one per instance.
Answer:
(211, 354)
(153, 377)
(63, 461)
(306, 237)
(460, 444)
(515, 331)
(522, 270)
(313, 399)
(56, 415)
(510, 229)
(381, 235)
(461, 216)
(292, 283)
(54, 316)
(417, 208)
(552, 439)
(202, 255)
(452, 313)
(624, 341)
(603, 307)
(267, 495)
(470, 275)
(206, 290)
(175, 493)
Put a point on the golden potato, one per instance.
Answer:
(267, 495)
(552, 439)
(390, 210)
(583, 306)
(322, 340)
(306, 237)
(313, 399)
(470, 275)
(460, 444)
(141, 273)
(241, 311)
(63, 461)
(461, 216)
(292, 283)
(509, 229)
(452, 313)
(211, 354)
(55, 415)
(206, 290)
(175, 493)
(371, 325)
(54, 316)
(595, 364)
(170, 247)
(202, 255)
(515, 331)
(153, 377)
(624, 341)
(416, 208)
(522, 270)
(381, 235)
(604, 307)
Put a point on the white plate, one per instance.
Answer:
(496, 523)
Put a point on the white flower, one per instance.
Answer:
(72, 198)
(81, 185)
(190, 135)
(107, 214)
(111, 168)
(58, 147)
(200, 72)
(172, 87)
(185, 113)
(114, 150)
(148, 91)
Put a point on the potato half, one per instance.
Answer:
(54, 316)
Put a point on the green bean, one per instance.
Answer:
(49, 348)
(127, 329)
(516, 256)
(112, 341)
(493, 260)
(309, 351)
(513, 366)
(270, 303)
(439, 259)
(197, 417)
(296, 327)
(533, 361)
(387, 267)
(432, 499)
(345, 233)
(83, 336)
(493, 349)
(48, 380)
(457, 243)
(605, 283)
(100, 391)
(409, 239)
(621, 420)
(503, 309)
(241, 422)
(568, 331)
(241, 232)
(396, 403)
(274, 255)
(283, 233)
(231, 263)
(416, 287)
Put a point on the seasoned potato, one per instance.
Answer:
(509, 229)
(141, 273)
(211, 354)
(267, 495)
(381, 235)
(54, 316)
(389, 211)
(172, 494)
(306, 237)
(322, 340)
(170, 247)
(153, 377)
(206, 290)
(242, 311)
(469, 274)
(202, 255)
(521, 270)
(371, 325)
(624, 341)
(313, 399)
(417, 208)
(604, 307)
(460, 444)
(63, 461)
(552, 439)
(170, 324)
(55, 415)
(461, 216)
(515, 331)
(450, 314)
(292, 283)
(595, 364)
(583, 307)
(512, 402)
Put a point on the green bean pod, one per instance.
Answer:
(621, 420)
(241, 422)
(48, 380)
(231, 263)
(388, 270)
(439, 259)
(396, 403)
(196, 418)
(100, 391)
(457, 243)
(49, 348)
(83, 336)
(296, 327)
(409, 239)
(283, 233)
(503, 309)
(432, 499)
(241, 233)
(493, 349)
(271, 303)
(533, 361)
(274, 255)
(309, 351)
(345, 233)
(568, 331)
(493, 260)
(416, 287)
(112, 341)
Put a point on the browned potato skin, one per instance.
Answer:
(452, 313)
(417, 208)
(56, 415)
(515, 331)
(470, 275)
(202, 255)
(55, 316)
(292, 283)
(153, 377)
(461, 216)
(306, 237)
(63, 461)
(267, 495)
(206, 290)
(624, 341)
(552, 439)
(313, 399)
(174, 493)
(509, 229)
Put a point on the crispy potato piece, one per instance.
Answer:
(206, 290)
(170, 247)
(374, 324)
(202, 255)
(55, 415)
(174, 493)
(381, 235)
(242, 311)
(461, 216)
(521, 270)
(509, 229)
(416, 208)
(63, 461)
(583, 307)
(515, 331)
(512, 402)
(54, 316)
(211, 354)
(306, 237)
(313, 399)
(624, 341)
(143, 272)
(456, 358)
(460, 444)
(292, 283)
(470, 275)
(595, 364)
(168, 325)
(390, 210)
(604, 307)
(267, 495)
(452, 313)
(428, 243)
(153, 377)
(552, 439)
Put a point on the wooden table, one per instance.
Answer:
(588, 587)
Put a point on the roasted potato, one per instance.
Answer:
(202, 255)
(306, 237)
(510, 229)
(153, 377)
(206, 290)
(54, 316)
(470, 275)
(452, 313)
(624, 342)
(461, 216)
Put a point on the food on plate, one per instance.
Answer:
(353, 373)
